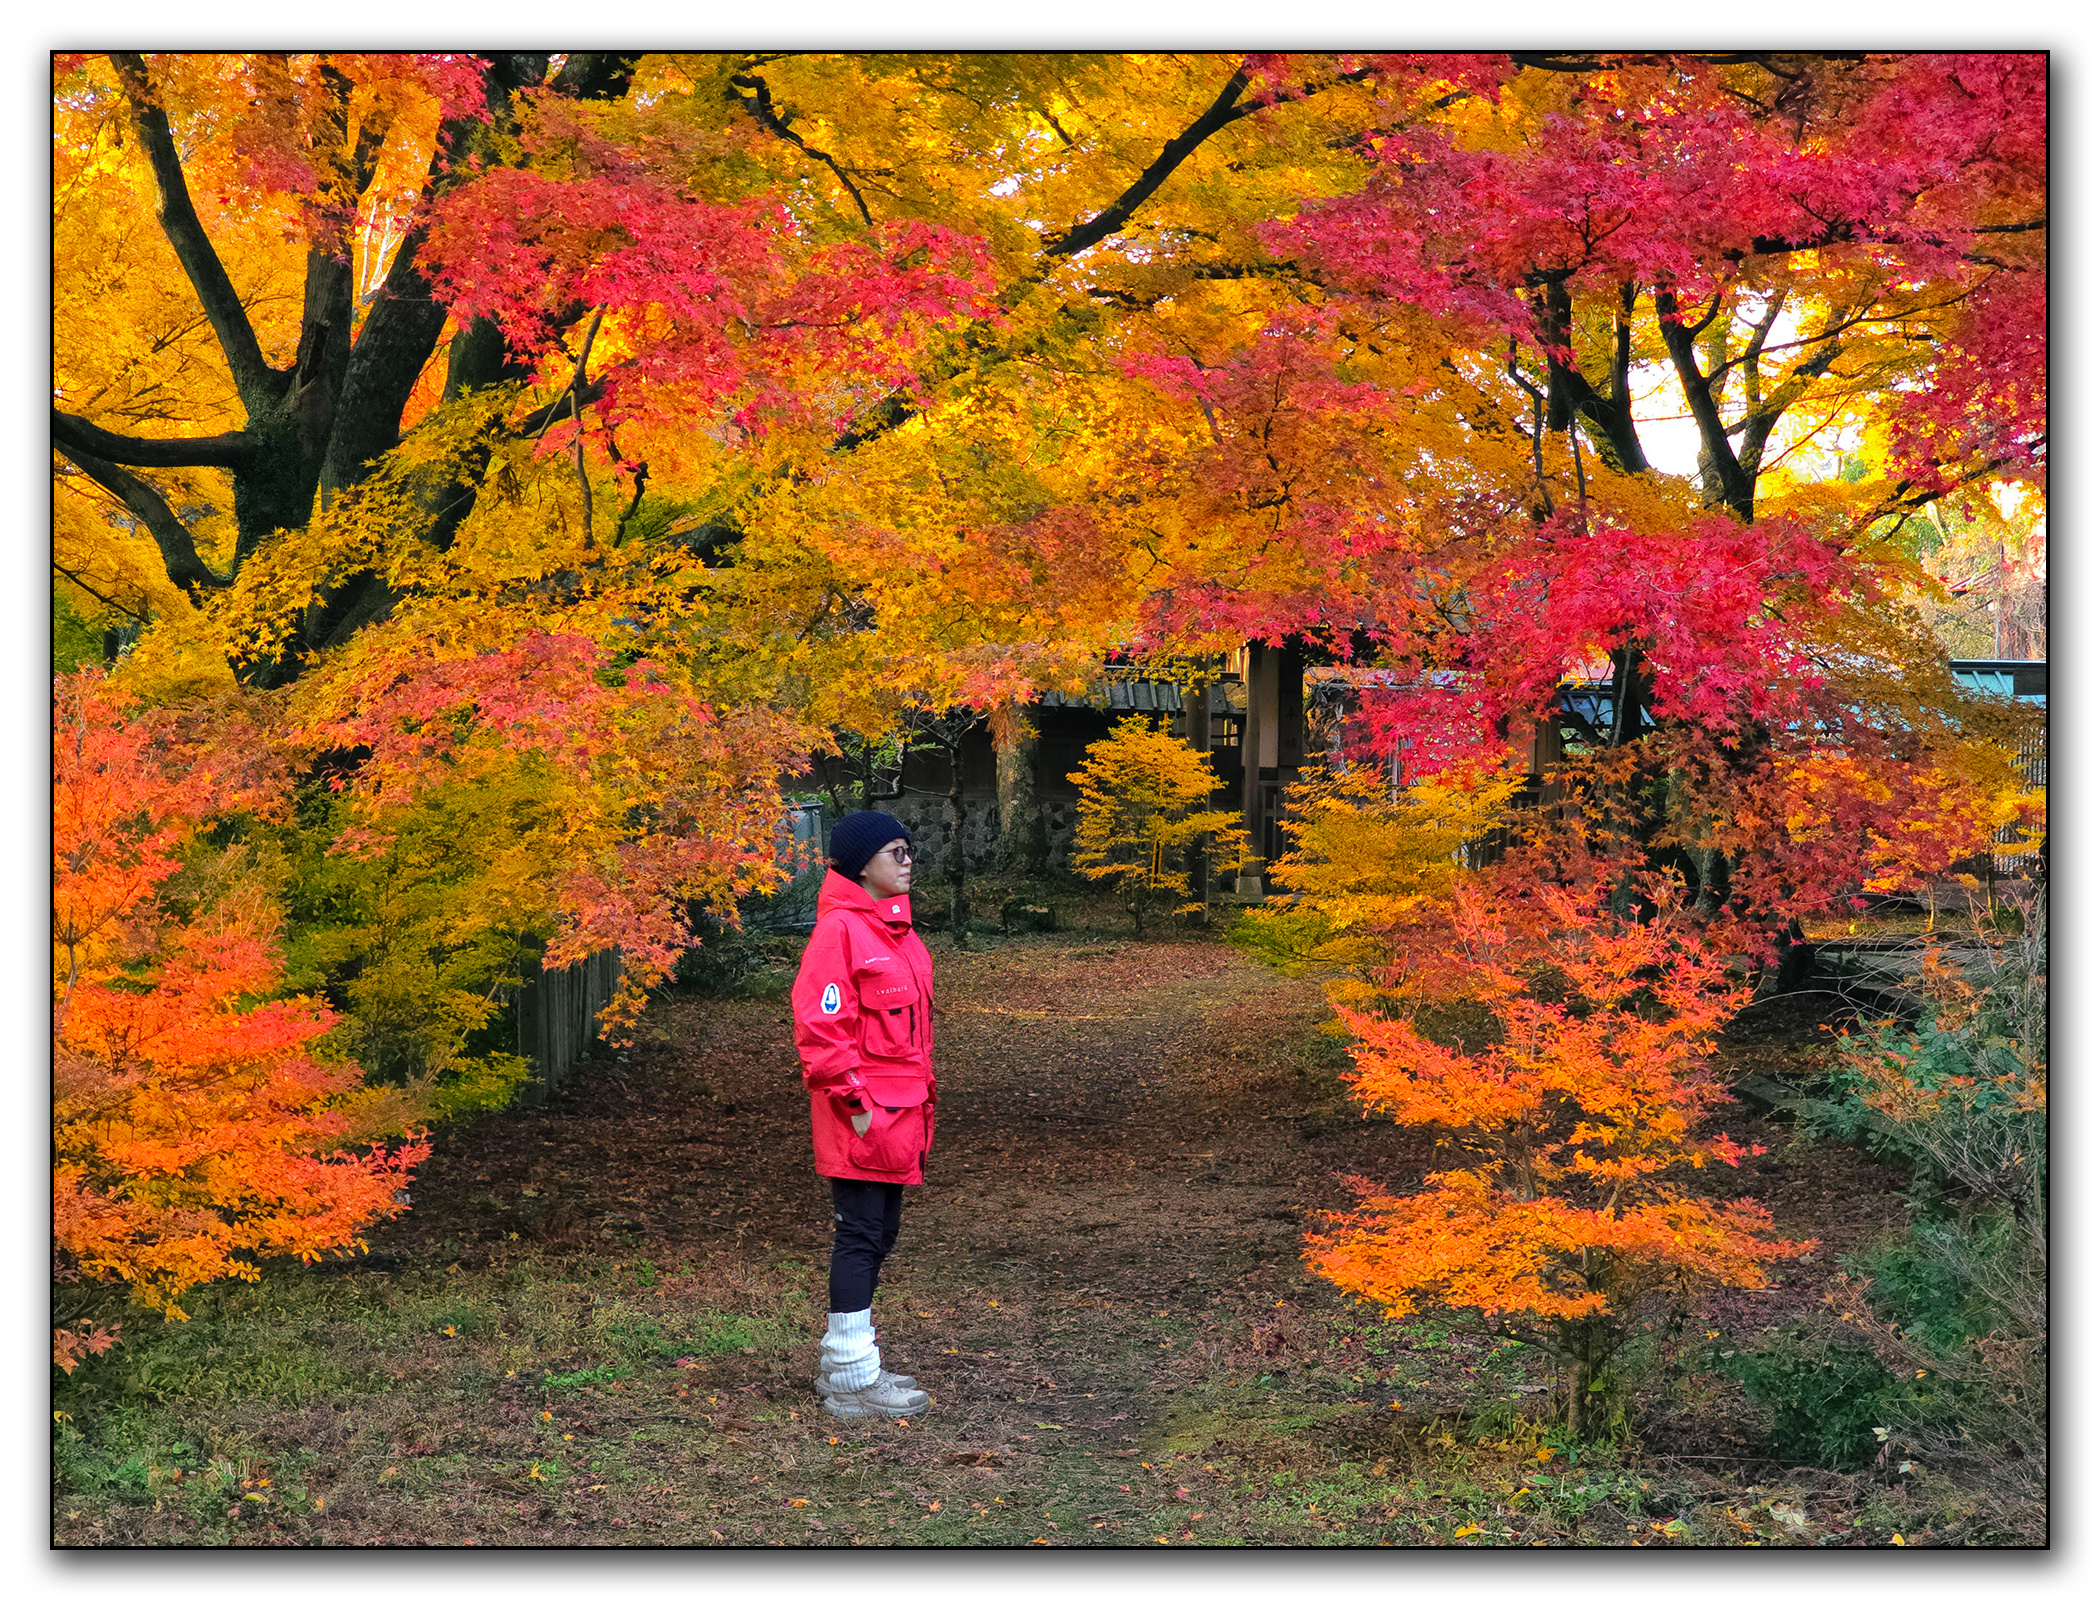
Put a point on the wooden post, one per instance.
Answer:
(1257, 750)
(1195, 720)
(1289, 674)
(1290, 707)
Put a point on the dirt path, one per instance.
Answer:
(1130, 1137)
(598, 1323)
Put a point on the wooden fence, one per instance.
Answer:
(798, 845)
(557, 1010)
(2034, 774)
(557, 1014)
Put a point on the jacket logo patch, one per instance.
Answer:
(830, 1002)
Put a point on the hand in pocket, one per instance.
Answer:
(891, 1138)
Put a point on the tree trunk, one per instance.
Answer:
(1024, 842)
(1792, 963)
(316, 427)
(958, 864)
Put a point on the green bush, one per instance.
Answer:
(750, 962)
(1826, 1400)
(1963, 1294)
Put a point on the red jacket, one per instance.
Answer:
(863, 1006)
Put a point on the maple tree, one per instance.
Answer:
(1799, 247)
(197, 1126)
(1144, 826)
(832, 384)
(340, 553)
(1371, 859)
(1560, 1052)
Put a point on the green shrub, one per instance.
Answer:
(1826, 1400)
(1963, 1294)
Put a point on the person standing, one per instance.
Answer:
(863, 1008)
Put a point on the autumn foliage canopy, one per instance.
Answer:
(540, 457)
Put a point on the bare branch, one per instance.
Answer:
(231, 450)
(178, 550)
(259, 384)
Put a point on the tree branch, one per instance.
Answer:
(78, 582)
(760, 105)
(1737, 491)
(178, 550)
(634, 504)
(1901, 499)
(1622, 346)
(535, 422)
(1227, 109)
(583, 360)
(259, 384)
(232, 450)
(576, 378)
(396, 338)
(1107, 221)
(1569, 393)
(372, 132)
(1764, 414)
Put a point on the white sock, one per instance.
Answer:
(848, 1355)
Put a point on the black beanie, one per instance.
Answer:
(858, 835)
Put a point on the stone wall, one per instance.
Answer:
(931, 831)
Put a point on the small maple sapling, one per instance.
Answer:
(1142, 819)
(1370, 857)
(1572, 1103)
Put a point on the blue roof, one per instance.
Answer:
(2026, 681)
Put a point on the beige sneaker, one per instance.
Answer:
(885, 1397)
(826, 1384)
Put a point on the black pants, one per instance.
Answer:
(864, 1218)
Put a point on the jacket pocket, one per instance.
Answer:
(895, 1139)
(889, 1023)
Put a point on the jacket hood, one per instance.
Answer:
(840, 893)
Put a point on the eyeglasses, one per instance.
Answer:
(901, 854)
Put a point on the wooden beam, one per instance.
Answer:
(1258, 677)
(1290, 707)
